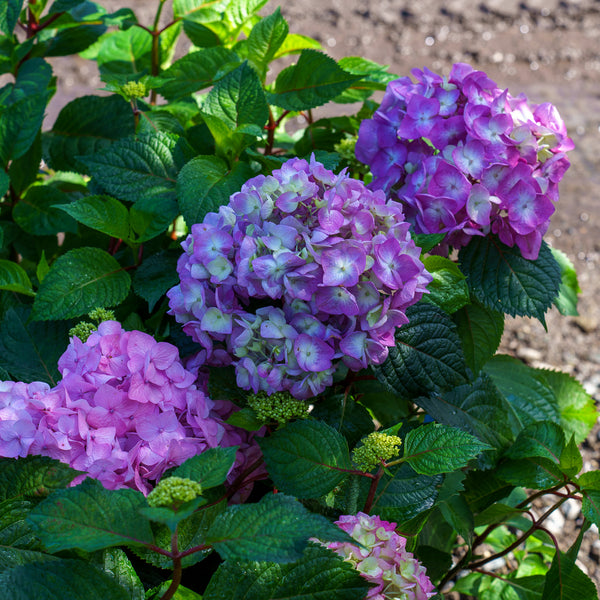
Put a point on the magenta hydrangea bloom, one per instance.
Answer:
(125, 411)
(301, 271)
(466, 158)
(383, 560)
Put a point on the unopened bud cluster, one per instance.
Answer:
(174, 491)
(376, 447)
(134, 89)
(280, 407)
(84, 329)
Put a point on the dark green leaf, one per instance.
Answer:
(9, 15)
(132, 169)
(544, 438)
(313, 81)
(458, 515)
(79, 281)
(427, 355)
(534, 472)
(590, 490)
(171, 517)
(14, 278)
(571, 461)
(448, 289)
(206, 183)
(306, 458)
(155, 276)
(566, 581)
(525, 389)
(29, 351)
(37, 213)
(319, 575)
(427, 241)
(84, 127)
(210, 468)
(201, 36)
(246, 419)
(125, 54)
(480, 330)
(196, 71)
(90, 517)
(501, 279)
(275, 529)
(64, 579)
(116, 564)
(265, 39)
(24, 170)
(73, 39)
(566, 301)
(436, 448)
(152, 216)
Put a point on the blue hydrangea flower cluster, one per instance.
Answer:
(466, 158)
(301, 271)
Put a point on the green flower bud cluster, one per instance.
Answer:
(84, 329)
(134, 89)
(346, 149)
(174, 491)
(376, 447)
(280, 407)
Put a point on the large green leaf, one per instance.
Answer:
(205, 183)
(566, 581)
(29, 350)
(133, 169)
(156, 275)
(276, 529)
(117, 565)
(265, 39)
(590, 490)
(566, 301)
(210, 468)
(84, 127)
(199, 11)
(319, 575)
(9, 15)
(449, 287)
(480, 330)
(64, 579)
(313, 81)
(306, 458)
(239, 12)
(373, 76)
(90, 517)
(37, 213)
(79, 281)
(545, 439)
(535, 472)
(501, 279)
(14, 278)
(125, 54)
(436, 448)
(427, 356)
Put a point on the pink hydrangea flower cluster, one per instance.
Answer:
(466, 158)
(302, 270)
(125, 410)
(384, 560)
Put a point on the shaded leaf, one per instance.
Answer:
(210, 468)
(566, 301)
(566, 581)
(37, 213)
(156, 275)
(14, 278)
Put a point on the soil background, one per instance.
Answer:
(547, 49)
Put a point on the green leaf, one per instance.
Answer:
(458, 515)
(403, 494)
(448, 289)
(9, 15)
(276, 529)
(571, 461)
(294, 43)
(436, 448)
(525, 389)
(196, 71)
(64, 579)
(566, 581)
(33, 477)
(206, 183)
(385, 405)
(427, 355)
(79, 281)
(210, 468)
(480, 330)
(566, 301)
(576, 407)
(85, 127)
(125, 54)
(199, 11)
(116, 564)
(373, 76)
(320, 574)
(501, 279)
(534, 472)
(14, 278)
(37, 213)
(246, 419)
(42, 267)
(102, 213)
(4, 183)
(313, 81)
(545, 439)
(239, 12)
(306, 458)
(24, 170)
(156, 275)
(133, 169)
(90, 517)
(265, 39)
(171, 517)
(152, 216)
(590, 490)
(181, 593)
(201, 36)
(29, 350)
(73, 40)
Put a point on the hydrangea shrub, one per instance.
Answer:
(289, 347)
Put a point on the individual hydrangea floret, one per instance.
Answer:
(174, 491)
(466, 158)
(301, 271)
(376, 448)
(125, 411)
(382, 559)
(279, 407)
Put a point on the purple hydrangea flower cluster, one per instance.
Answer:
(124, 411)
(383, 560)
(302, 270)
(466, 158)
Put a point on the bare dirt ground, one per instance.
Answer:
(548, 49)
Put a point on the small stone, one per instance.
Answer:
(595, 551)
(555, 522)
(571, 509)
(586, 324)
(529, 354)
